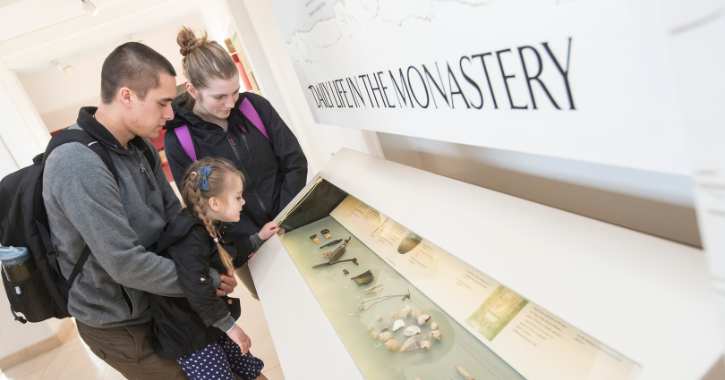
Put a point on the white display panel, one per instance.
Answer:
(697, 37)
(576, 79)
(645, 298)
(535, 343)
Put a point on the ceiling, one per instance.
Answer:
(35, 34)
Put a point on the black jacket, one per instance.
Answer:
(184, 325)
(275, 170)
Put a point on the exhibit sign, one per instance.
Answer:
(575, 79)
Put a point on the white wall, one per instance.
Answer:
(58, 95)
(696, 39)
(7, 162)
(22, 136)
(22, 129)
(277, 79)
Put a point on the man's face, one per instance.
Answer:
(219, 97)
(146, 117)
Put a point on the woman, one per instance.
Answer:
(212, 119)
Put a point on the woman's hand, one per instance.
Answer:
(237, 335)
(268, 230)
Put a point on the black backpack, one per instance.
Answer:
(24, 223)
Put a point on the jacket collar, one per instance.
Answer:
(87, 121)
(183, 107)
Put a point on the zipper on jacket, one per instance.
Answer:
(259, 200)
(145, 172)
(246, 144)
(147, 175)
(233, 145)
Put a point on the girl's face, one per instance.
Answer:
(218, 98)
(228, 205)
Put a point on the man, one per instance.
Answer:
(118, 219)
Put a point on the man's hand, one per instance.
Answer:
(227, 284)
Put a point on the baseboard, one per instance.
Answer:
(66, 331)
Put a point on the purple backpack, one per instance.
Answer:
(247, 109)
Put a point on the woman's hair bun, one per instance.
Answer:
(187, 41)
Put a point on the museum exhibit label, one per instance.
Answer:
(582, 80)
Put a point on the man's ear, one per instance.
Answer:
(125, 96)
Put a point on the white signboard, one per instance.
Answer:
(584, 80)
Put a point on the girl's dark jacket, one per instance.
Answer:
(275, 169)
(185, 325)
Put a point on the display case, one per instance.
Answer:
(388, 272)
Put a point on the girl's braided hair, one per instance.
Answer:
(204, 179)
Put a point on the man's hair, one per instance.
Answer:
(133, 65)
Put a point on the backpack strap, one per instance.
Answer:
(184, 136)
(78, 135)
(78, 266)
(251, 114)
(64, 137)
(246, 108)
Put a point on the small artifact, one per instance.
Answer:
(370, 302)
(339, 251)
(433, 326)
(410, 345)
(404, 312)
(422, 319)
(345, 272)
(363, 278)
(385, 335)
(398, 324)
(374, 289)
(315, 239)
(330, 244)
(353, 260)
(463, 372)
(435, 334)
(411, 330)
(326, 233)
(415, 313)
(409, 242)
(392, 345)
(425, 344)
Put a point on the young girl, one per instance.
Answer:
(199, 331)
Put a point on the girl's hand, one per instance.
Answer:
(268, 230)
(237, 335)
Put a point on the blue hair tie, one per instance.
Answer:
(204, 173)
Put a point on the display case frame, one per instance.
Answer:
(647, 298)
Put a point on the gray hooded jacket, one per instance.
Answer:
(117, 220)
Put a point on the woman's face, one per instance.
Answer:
(217, 99)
